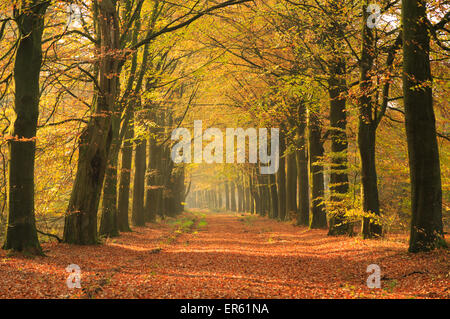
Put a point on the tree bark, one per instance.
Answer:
(21, 232)
(426, 189)
(281, 180)
(219, 196)
(151, 198)
(366, 135)
(273, 195)
(125, 174)
(109, 226)
(339, 144)
(316, 151)
(248, 197)
(233, 197)
(240, 190)
(137, 215)
(302, 168)
(80, 225)
(227, 196)
(291, 185)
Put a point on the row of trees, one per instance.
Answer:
(313, 63)
(313, 68)
(119, 61)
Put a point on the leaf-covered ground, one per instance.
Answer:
(228, 256)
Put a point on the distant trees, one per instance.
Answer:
(102, 129)
(314, 69)
(366, 78)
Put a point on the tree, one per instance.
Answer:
(367, 133)
(281, 180)
(426, 189)
(316, 152)
(291, 184)
(233, 206)
(21, 232)
(81, 218)
(138, 215)
(302, 168)
(338, 224)
(125, 179)
(227, 196)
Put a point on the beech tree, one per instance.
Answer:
(424, 165)
(21, 232)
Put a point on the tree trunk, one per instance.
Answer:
(240, 190)
(426, 190)
(254, 193)
(109, 226)
(339, 144)
(281, 180)
(151, 198)
(366, 136)
(233, 197)
(316, 151)
(219, 196)
(291, 185)
(124, 184)
(137, 216)
(302, 168)
(80, 225)
(273, 195)
(248, 197)
(227, 197)
(21, 232)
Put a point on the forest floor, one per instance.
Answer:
(206, 255)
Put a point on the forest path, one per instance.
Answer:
(208, 255)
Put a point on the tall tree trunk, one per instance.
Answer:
(80, 226)
(254, 192)
(125, 174)
(252, 201)
(281, 180)
(109, 226)
(227, 196)
(248, 197)
(426, 190)
(233, 197)
(291, 185)
(244, 194)
(240, 190)
(151, 198)
(21, 232)
(302, 168)
(261, 188)
(137, 215)
(273, 195)
(219, 196)
(316, 151)
(266, 194)
(339, 144)
(366, 135)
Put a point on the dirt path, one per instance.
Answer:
(228, 256)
